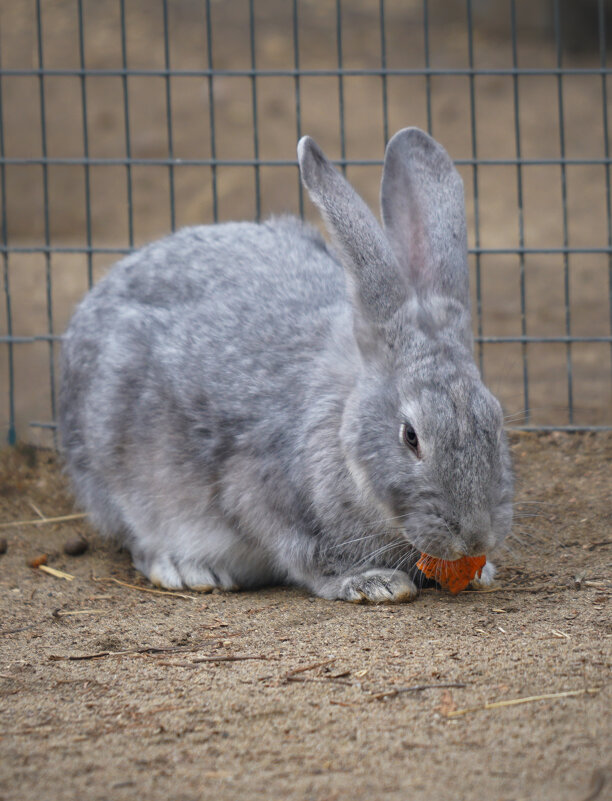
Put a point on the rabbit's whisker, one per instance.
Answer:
(409, 559)
(379, 552)
(356, 539)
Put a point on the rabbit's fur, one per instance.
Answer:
(235, 397)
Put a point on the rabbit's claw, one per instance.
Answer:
(486, 578)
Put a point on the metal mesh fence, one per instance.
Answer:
(123, 119)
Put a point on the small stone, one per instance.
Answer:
(3, 545)
(75, 546)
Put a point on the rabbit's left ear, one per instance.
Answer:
(365, 252)
(423, 212)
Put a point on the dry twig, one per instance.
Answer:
(413, 688)
(33, 506)
(526, 700)
(592, 545)
(144, 589)
(323, 680)
(43, 521)
(172, 649)
(238, 658)
(56, 573)
(60, 613)
(288, 676)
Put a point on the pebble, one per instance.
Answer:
(75, 546)
(3, 545)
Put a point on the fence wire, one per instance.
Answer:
(214, 74)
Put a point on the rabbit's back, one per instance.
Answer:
(189, 348)
(283, 262)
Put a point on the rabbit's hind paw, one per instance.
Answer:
(172, 575)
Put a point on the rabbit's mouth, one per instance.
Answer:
(440, 539)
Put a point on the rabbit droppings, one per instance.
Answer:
(243, 405)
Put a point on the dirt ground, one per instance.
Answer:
(111, 690)
(109, 205)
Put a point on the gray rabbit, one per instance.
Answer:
(245, 406)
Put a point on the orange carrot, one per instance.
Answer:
(453, 576)
(38, 560)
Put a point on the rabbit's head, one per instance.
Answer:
(422, 436)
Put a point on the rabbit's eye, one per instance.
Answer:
(410, 438)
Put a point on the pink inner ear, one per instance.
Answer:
(419, 255)
(423, 210)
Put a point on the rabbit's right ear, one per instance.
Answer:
(364, 249)
(423, 212)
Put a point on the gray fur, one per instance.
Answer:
(232, 411)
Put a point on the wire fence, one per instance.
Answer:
(118, 105)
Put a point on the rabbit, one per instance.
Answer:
(244, 405)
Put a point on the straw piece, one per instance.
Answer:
(60, 613)
(57, 573)
(526, 700)
(43, 521)
(146, 589)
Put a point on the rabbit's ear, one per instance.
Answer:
(423, 212)
(364, 249)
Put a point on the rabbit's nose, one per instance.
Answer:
(476, 533)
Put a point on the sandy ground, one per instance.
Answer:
(553, 305)
(113, 691)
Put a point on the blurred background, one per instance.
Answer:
(121, 120)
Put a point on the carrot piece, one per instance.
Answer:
(453, 576)
(38, 560)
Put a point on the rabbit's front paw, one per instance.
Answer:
(378, 586)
